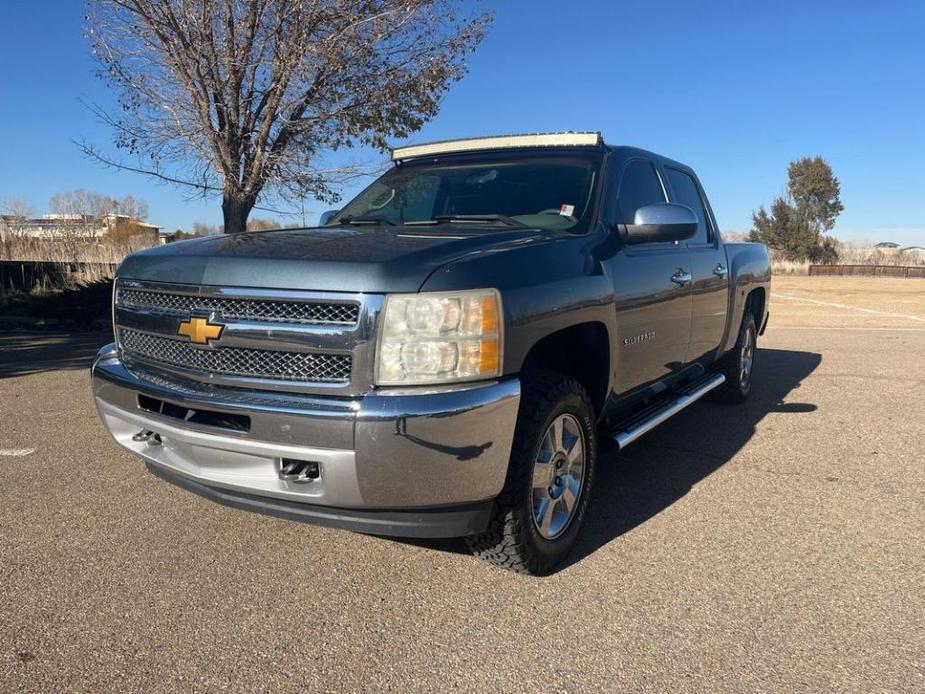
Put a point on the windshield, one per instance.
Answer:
(549, 192)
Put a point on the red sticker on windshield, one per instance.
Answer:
(566, 210)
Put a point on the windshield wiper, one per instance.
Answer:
(363, 219)
(485, 218)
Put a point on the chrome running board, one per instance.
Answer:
(637, 427)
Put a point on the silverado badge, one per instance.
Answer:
(636, 339)
(200, 330)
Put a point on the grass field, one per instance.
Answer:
(871, 302)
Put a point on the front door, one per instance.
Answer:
(710, 285)
(652, 294)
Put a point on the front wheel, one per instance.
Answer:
(539, 513)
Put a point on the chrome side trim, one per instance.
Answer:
(624, 438)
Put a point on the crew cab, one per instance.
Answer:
(444, 355)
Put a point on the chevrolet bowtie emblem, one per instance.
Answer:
(200, 330)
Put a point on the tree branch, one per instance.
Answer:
(90, 152)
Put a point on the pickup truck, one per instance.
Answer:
(445, 355)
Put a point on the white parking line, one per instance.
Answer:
(856, 308)
(16, 452)
(842, 327)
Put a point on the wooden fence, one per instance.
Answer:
(26, 275)
(869, 270)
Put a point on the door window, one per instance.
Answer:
(684, 191)
(639, 187)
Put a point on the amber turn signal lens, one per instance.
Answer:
(489, 357)
(489, 315)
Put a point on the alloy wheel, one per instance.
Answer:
(747, 358)
(558, 476)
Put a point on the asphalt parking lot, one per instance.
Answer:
(775, 546)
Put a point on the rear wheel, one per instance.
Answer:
(738, 365)
(538, 515)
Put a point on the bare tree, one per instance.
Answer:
(82, 203)
(132, 208)
(243, 97)
(20, 208)
(14, 214)
(81, 213)
(95, 206)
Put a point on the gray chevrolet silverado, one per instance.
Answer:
(444, 355)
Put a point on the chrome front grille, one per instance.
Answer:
(260, 310)
(278, 340)
(303, 367)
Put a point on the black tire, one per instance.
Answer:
(739, 378)
(513, 539)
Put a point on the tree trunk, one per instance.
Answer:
(235, 210)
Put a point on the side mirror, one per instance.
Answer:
(327, 217)
(663, 221)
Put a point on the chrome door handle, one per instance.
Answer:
(720, 271)
(681, 277)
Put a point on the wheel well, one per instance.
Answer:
(580, 351)
(754, 302)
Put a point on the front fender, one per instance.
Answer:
(544, 287)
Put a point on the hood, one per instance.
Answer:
(347, 259)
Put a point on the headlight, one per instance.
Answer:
(439, 337)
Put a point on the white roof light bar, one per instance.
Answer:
(498, 142)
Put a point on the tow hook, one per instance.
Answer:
(300, 471)
(147, 436)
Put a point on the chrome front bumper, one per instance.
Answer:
(414, 462)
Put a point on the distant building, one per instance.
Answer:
(886, 244)
(53, 226)
(60, 226)
(164, 236)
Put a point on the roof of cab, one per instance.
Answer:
(624, 152)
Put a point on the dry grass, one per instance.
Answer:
(789, 267)
(847, 255)
(71, 250)
(82, 261)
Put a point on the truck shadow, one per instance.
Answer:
(29, 353)
(650, 475)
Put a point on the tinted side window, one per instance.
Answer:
(638, 187)
(684, 191)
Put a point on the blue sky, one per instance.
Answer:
(736, 89)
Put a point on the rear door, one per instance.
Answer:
(653, 307)
(710, 285)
